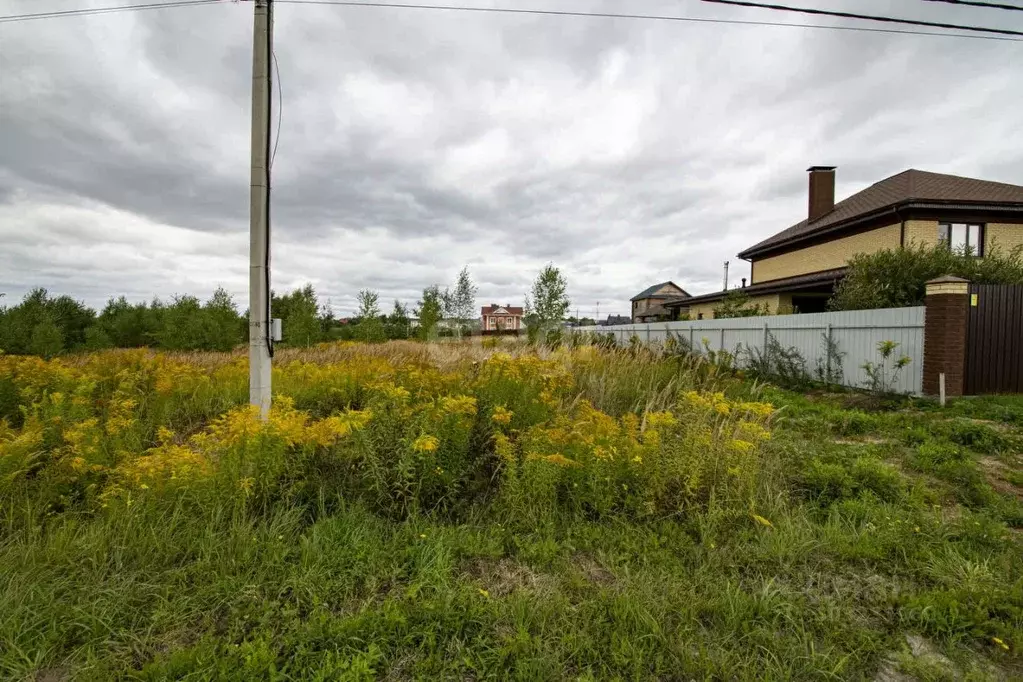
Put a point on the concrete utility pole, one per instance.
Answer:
(725, 288)
(259, 213)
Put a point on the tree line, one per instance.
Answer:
(48, 325)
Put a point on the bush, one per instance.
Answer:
(905, 272)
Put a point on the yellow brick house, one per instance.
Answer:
(796, 269)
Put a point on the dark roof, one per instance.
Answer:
(774, 286)
(512, 310)
(649, 292)
(910, 186)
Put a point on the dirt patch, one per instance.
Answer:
(997, 474)
(592, 570)
(503, 576)
(52, 675)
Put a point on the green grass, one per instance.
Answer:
(882, 524)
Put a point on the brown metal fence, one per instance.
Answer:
(994, 339)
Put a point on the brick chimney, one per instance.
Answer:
(822, 191)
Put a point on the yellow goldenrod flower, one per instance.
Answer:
(501, 415)
(426, 443)
(561, 460)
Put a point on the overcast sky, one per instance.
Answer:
(414, 142)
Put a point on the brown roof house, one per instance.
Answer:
(796, 269)
(648, 305)
(501, 317)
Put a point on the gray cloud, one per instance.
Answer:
(414, 142)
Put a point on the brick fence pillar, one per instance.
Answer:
(945, 312)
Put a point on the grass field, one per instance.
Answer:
(455, 512)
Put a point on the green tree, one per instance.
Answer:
(46, 340)
(547, 305)
(370, 328)
(130, 325)
(97, 339)
(896, 278)
(327, 320)
(398, 322)
(299, 312)
(222, 328)
(429, 310)
(69, 317)
(460, 303)
(182, 325)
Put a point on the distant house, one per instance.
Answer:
(648, 305)
(500, 317)
(796, 270)
(613, 320)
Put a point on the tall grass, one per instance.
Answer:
(453, 510)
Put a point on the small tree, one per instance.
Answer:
(398, 322)
(546, 307)
(370, 329)
(460, 304)
(429, 310)
(300, 316)
(223, 327)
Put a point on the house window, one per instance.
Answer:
(960, 236)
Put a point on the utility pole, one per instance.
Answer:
(260, 348)
(725, 288)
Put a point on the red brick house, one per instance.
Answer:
(501, 317)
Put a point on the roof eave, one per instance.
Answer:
(863, 217)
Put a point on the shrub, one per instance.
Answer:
(827, 483)
(786, 366)
(905, 272)
(883, 376)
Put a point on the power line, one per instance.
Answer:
(978, 3)
(655, 17)
(280, 107)
(864, 17)
(87, 11)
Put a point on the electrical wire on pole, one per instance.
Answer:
(979, 3)
(863, 17)
(977, 35)
(91, 11)
(658, 17)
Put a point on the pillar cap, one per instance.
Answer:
(947, 285)
(948, 279)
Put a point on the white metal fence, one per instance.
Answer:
(856, 333)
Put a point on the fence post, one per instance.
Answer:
(827, 352)
(648, 334)
(945, 318)
(765, 337)
(691, 347)
(722, 339)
